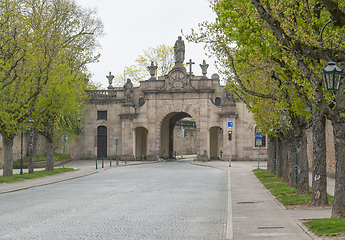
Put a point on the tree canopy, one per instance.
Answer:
(46, 47)
(162, 56)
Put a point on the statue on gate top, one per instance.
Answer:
(128, 89)
(179, 50)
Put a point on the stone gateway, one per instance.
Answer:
(143, 118)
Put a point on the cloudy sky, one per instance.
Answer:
(132, 26)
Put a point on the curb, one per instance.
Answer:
(268, 191)
(306, 230)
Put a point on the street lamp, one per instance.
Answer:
(331, 75)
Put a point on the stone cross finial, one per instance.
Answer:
(152, 69)
(190, 63)
(110, 80)
(204, 67)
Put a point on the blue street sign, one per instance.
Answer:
(64, 138)
(258, 135)
(230, 124)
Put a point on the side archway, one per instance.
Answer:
(140, 145)
(215, 140)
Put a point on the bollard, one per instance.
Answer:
(117, 160)
(142, 158)
(102, 162)
(96, 164)
(125, 159)
(203, 158)
(110, 161)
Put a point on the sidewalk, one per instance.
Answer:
(83, 167)
(252, 211)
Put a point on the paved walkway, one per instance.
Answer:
(252, 212)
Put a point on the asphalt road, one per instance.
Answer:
(167, 200)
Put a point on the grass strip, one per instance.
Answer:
(36, 174)
(270, 180)
(28, 176)
(9, 179)
(64, 169)
(259, 170)
(263, 174)
(326, 226)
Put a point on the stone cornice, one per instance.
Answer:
(228, 114)
(128, 116)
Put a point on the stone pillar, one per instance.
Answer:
(127, 116)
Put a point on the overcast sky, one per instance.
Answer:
(132, 26)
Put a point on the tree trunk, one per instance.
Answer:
(279, 158)
(339, 145)
(30, 151)
(319, 182)
(7, 142)
(302, 163)
(270, 155)
(285, 167)
(291, 160)
(34, 150)
(49, 136)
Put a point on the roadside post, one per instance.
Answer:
(117, 142)
(64, 138)
(258, 137)
(230, 125)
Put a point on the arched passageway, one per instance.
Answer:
(215, 140)
(167, 133)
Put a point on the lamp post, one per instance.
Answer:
(21, 152)
(331, 75)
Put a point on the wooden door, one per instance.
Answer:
(102, 142)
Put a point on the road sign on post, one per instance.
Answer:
(117, 142)
(258, 135)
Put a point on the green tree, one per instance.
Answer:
(240, 41)
(292, 30)
(162, 56)
(16, 87)
(46, 46)
(68, 37)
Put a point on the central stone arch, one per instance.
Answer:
(167, 116)
(167, 133)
